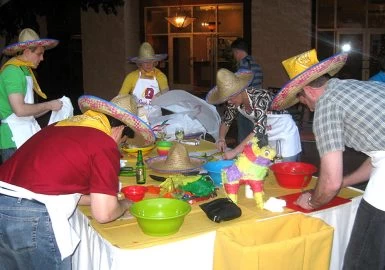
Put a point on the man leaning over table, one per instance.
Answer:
(347, 113)
(17, 83)
(75, 161)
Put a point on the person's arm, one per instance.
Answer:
(20, 108)
(129, 83)
(360, 175)
(329, 182)
(221, 142)
(106, 208)
(162, 81)
(239, 148)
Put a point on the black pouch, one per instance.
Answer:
(221, 209)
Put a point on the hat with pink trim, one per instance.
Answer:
(29, 39)
(302, 70)
(123, 108)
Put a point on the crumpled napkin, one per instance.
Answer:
(65, 112)
(274, 205)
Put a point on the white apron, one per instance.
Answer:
(374, 192)
(23, 128)
(144, 91)
(60, 208)
(281, 127)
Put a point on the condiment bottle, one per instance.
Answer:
(140, 169)
(278, 156)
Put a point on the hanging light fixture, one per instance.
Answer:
(210, 20)
(180, 20)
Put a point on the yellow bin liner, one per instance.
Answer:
(293, 241)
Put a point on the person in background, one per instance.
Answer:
(346, 113)
(147, 81)
(17, 83)
(75, 161)
(380, 76)
(240, 51)
(233, 89)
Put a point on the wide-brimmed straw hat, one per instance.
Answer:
(228, 84)
(29, 39)
(147, 54)
(177, 161)
(302, 70)
(123, 108)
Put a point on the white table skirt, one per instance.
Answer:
(193, 253)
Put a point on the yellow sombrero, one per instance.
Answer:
(29, 39)
(303, 69)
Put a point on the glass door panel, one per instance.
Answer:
(353, 67)
(377, 52)
(181, 69)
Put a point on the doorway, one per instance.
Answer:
(181, 64)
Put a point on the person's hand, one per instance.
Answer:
(56, 104)
(221, 145)
(303, 201)
(229, 154)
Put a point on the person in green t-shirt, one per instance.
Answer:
(17, 83)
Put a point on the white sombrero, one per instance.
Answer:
(123, 108)
(228, 84)
(302, 70)
(147, 54)
(177, 161)
(29, 39)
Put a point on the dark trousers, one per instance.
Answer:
(366, 248)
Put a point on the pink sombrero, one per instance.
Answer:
(123, 108)
(29, 39)
(303, 69)
(176, 161)
(228, 84)
(147, 54)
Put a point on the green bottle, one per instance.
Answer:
(140, 169)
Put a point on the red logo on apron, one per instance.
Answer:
(149, 93)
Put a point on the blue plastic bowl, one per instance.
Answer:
(214, 169)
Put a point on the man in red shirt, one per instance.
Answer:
(77, 159)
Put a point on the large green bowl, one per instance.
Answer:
(160, 216)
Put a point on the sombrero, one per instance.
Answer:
(302, 70)
(228, 84)
(177, 161)
(147, 54)
(29, 39)
(123, 108)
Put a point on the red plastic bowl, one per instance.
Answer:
(134, 193)
(293, 175)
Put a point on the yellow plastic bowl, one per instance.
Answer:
(133, 151)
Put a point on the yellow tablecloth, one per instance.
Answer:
(126, 234)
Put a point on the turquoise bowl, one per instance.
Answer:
(160, 216)
(214, 169)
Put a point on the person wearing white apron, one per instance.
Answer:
(18, 110)
(252, 103)
(347, 113)
(147, 82)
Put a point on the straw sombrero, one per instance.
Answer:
(302, 70)
(147, 54)
(29, 39)
(177, 161)
(229, 84)
(123, 108)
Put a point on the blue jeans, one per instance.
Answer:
(7, 153)
(366, 248)
(27, 240)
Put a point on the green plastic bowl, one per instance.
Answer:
(160, 216)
